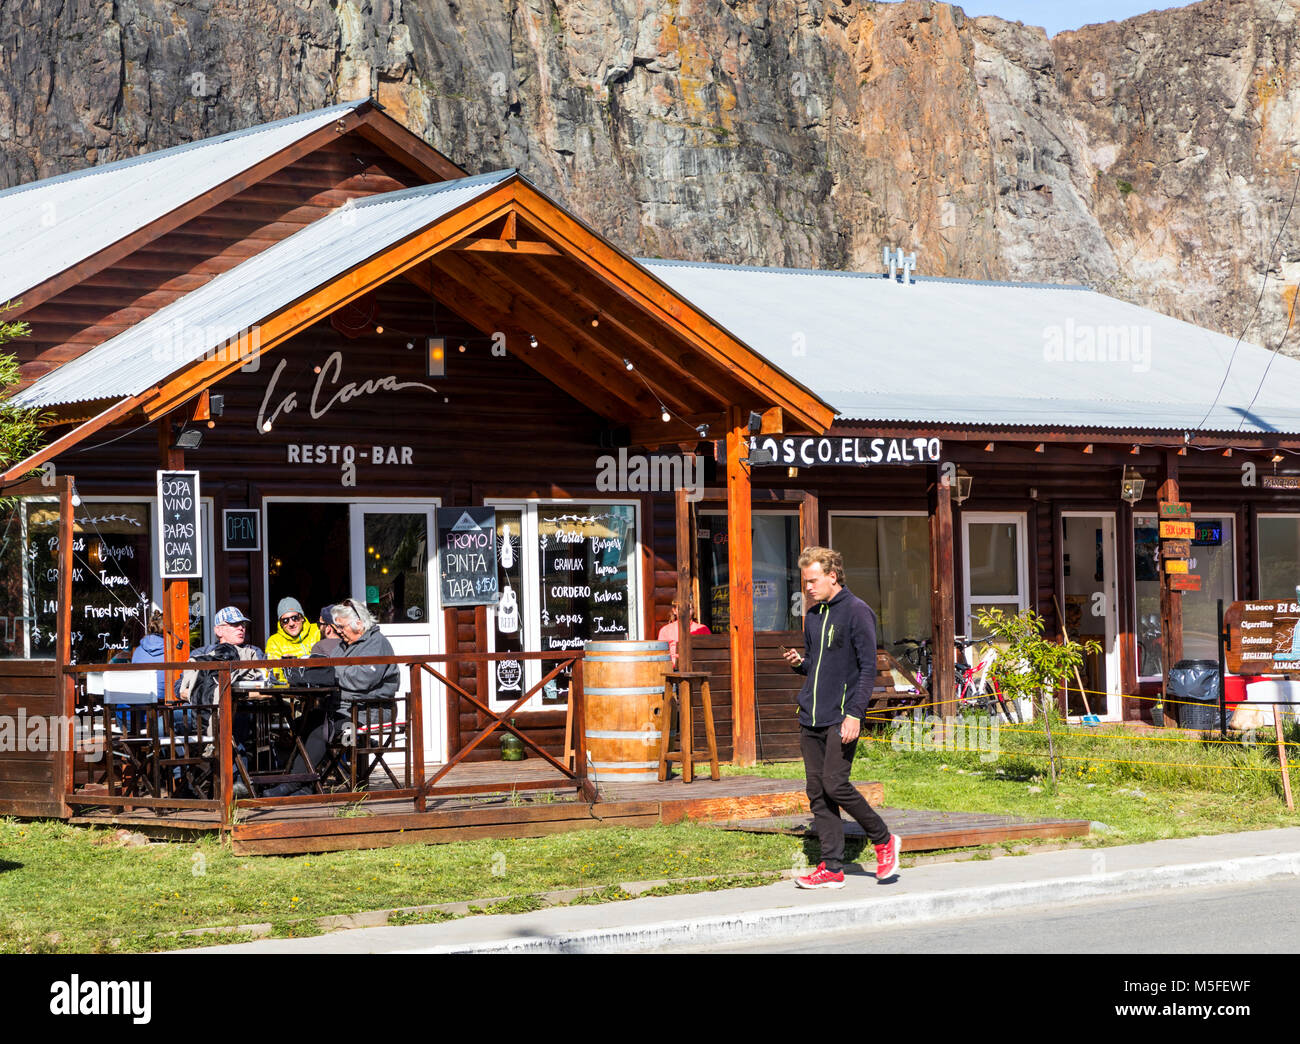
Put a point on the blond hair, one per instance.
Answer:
(830, 561)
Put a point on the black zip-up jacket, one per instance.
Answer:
(839, 648)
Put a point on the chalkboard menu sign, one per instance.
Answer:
(179, 554)
(585, 591)
(467, 555)
(110, 578)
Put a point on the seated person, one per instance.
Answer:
(669, 632)
(330, 643)
(230, 627)
(293, 638)
(150, 649)
(360, 636)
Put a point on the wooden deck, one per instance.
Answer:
(735, 802)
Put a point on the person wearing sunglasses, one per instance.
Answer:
(294, 636)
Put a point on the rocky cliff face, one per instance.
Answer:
(1155, 158)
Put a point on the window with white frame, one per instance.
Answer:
(568, 574)
(997, 572)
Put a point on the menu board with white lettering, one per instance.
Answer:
(110, 578)
(467, 555)
(585, 563)
(179, 554)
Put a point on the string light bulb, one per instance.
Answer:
(666, 416)
(628, 363)
(379, 329)
(532, 340)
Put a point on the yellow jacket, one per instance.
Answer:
(281, 647)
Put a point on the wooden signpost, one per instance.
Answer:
(1177, 530)
(1175, 509)
(1176, 549)
(1177, 533)
(1184, 582)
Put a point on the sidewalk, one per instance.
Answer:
(926, 893)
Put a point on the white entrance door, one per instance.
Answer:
(393, 557)
(1091, 608)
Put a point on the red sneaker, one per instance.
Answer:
(887, 858)
(821, 878)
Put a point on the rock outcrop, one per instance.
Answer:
(1154, 158)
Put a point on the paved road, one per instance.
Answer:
(1258, 918)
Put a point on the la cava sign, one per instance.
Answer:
(326, 393)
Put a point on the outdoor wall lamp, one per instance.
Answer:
(1131, 486)
(964, 483)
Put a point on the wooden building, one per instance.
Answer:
(341, 331)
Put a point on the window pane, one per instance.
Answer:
(1279, 556)
(112, 577)
(1212, 560)
(397, 562)
(584, 560)
(993, 568)
(1146, 544)
(15, 608)
(887, 559)
(778, 603)
(508, 619)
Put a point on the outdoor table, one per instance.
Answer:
(288, 703)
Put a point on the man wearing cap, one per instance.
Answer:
(294, 637)
(230, 628)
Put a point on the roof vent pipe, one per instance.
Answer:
(895, 259)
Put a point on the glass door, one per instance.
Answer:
(1091, 612)
(393, 571)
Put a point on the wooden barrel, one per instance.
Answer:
(623, 691)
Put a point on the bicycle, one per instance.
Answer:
(977, 688)
(916, 658)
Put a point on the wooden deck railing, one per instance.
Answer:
(417, 791)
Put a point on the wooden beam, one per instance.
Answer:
(943, 629)
(740, 584)
(70, 439)
(645, 340)
(773, 421)
(176, 593)
(610, 401)
(513, 246)
(672, 382)
(410, 150)
(716, 345)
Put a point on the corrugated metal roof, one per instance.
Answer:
(218, 312)
(53, 224)
(945, 351)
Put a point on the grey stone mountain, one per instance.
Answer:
(1155, 159)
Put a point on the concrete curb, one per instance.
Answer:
(888, 912)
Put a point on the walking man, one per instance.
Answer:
(839, 660)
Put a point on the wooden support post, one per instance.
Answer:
(1171, 602)
(685, 538)
(63, 649)
(451, 645)
(176, 593)
(415, 733)
(740, 584)
(809, 521)
(225, 746)
(943, 632)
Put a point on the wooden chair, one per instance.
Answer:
(679, 688)
(354, 754)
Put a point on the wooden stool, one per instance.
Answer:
(679, 688)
